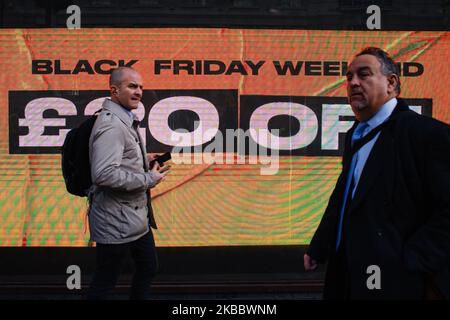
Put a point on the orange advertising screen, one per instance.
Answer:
(208, 88)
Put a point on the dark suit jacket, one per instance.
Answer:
(399, 218)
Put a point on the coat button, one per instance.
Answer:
(135, 208)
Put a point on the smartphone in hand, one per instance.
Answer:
(161, 159)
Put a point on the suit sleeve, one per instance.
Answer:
(108, 144)
(428, 249)
(319, 248)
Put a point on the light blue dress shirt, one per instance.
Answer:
(129, 113)
(361, 156)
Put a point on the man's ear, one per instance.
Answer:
(114, 90)
(393, 81)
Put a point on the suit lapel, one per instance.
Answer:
(372, 169)
(375, 162)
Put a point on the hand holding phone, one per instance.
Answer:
(161, 159)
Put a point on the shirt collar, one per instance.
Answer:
(130, 113)
(382, 114)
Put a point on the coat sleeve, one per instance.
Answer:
(324, 237)
(428, 249)
(108, 144)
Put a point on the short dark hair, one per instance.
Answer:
(117, 74)
(388, 65)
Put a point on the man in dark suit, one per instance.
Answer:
(386, 231)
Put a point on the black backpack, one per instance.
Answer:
(75, 164)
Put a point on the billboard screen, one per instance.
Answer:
(219, 86)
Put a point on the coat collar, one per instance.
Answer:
(374, 163)
(120, 112)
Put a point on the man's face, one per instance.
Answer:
(367, 87)
(129, 92)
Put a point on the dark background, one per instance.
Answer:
(294, 14)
